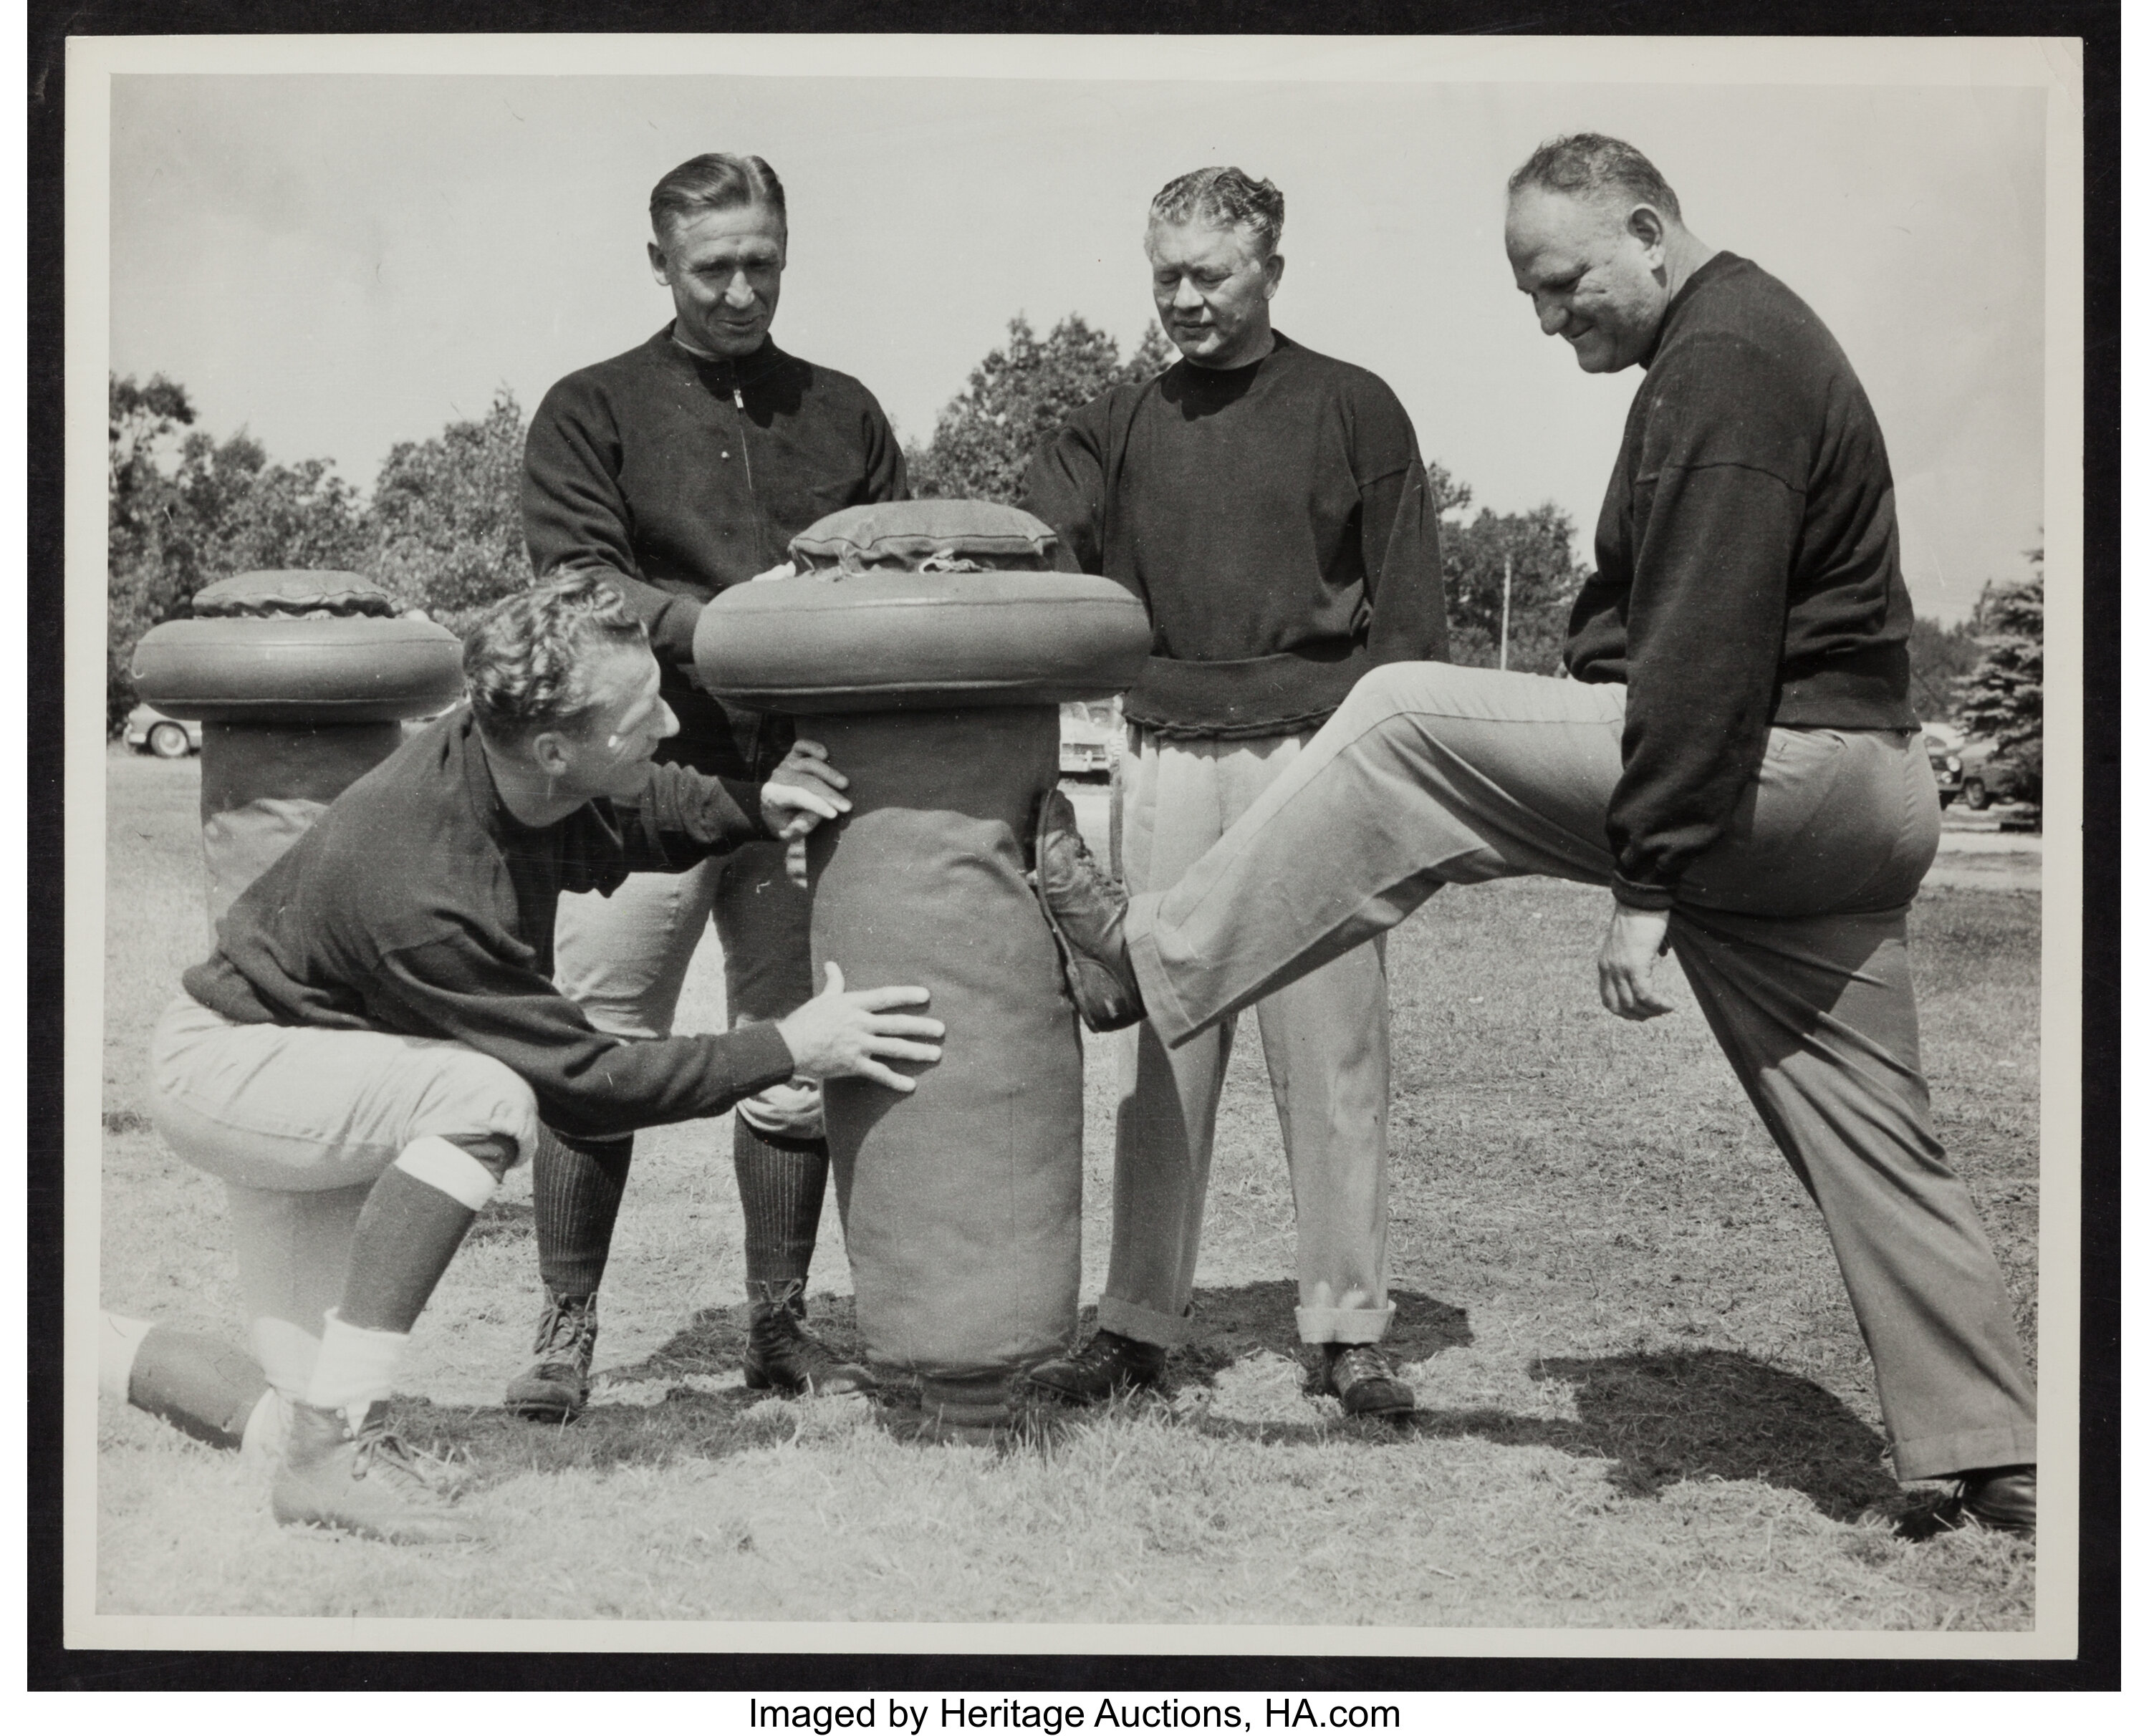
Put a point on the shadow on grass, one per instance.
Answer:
(1683, 1416)
(1661, 1417)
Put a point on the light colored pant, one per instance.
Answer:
(623, 959)
(1325, 1037)
(298, 1122)
(1791, 930)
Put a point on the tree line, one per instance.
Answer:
(442, 530)
(442, 527)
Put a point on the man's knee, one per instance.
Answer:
(483, 1107)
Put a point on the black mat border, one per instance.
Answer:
(50, 1666)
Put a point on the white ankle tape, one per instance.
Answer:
(444, 1164)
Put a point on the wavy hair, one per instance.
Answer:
(1227, 197)
(715, 181)
(527, 661)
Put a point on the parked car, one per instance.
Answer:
(1091, 738)
(149, 730)
(1962, 767)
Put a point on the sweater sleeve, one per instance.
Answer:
(586, 1081)
(1066, 487)
(575, 516)
(887, 475)
(1718, 504)
(1399, 531)
(685, 816)
(1400, 538)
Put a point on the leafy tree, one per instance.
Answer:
(446, 519)
(1019, 397)
(1940, 656)
(1475, 558)
(178, 521)
(2004, 697)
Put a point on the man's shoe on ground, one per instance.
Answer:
(1362, 1376)
(1110, 1362)
(1087, 910)
(557, 1385)
(364, 1481)
(782, 1357)
(2003, 1497)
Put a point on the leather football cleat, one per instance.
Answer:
(1365, 1378)
(364, 1481)
(556, 1386)
(1109, 1363)
(1087, 910)
(2001, 1497)
(782, 1357)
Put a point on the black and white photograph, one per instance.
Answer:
(1086, 845)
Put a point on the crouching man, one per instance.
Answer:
(376, 1038)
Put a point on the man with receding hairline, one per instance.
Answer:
(1268, 503)
(680, 468)
(1735, 758)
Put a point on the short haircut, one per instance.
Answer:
(1586, 165)
(1227, 197)
(526, 663)
(715, 181)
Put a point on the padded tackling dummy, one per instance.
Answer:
(300, 680)
(928, 644)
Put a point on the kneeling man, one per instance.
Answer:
(1736, 758)
(377, 1039)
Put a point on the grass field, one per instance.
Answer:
(1643, 1399)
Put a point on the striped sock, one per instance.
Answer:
(780, 1189)
(578, 1184)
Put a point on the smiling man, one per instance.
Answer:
(1735, 758)
(1268, 503)
(678, 468)
(377, 1037)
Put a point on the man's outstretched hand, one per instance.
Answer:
(800, 793)
(852, 1033)
(1627, 960)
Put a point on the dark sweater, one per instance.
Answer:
(418, 904)
(1747, 571)
(1273, 518)
(680, 476)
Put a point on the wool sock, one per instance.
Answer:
(413, 1220)
(356, 1367)
(578, 1184)
(201, 1385)
(780, 1189)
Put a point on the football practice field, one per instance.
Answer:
(1643, 1399)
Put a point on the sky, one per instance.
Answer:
(339, 263)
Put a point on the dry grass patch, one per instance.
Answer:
(1643, 1401)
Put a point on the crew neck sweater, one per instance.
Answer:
(679, 475)
(1274, 520)
(418, 904)
(1747, 565)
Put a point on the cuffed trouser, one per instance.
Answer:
(1790, 930)
(1325, 1037)
(298, 1123)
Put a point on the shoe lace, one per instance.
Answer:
(1361, 1362)
(381, 1452)
(565, 1330)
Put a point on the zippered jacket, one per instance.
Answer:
(679, 476)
